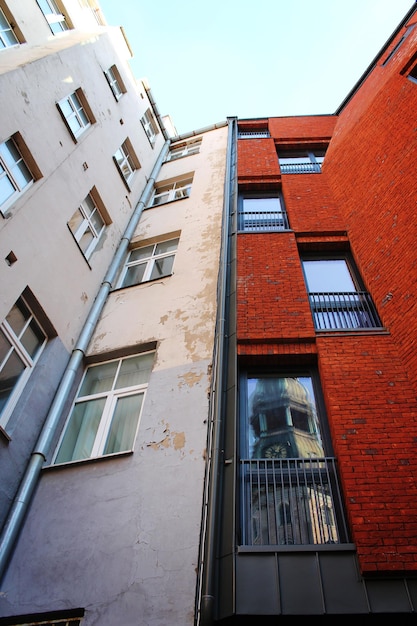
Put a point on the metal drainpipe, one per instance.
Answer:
(30, 479)
(206, 601)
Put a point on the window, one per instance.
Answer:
(7, 36)
(167, 192)
(149, 262)
(88, 223)
(413, 74)
(149, 125)
(289, 487)
(126, 161)
(76, 113)
(115, 81)
(17, 170)
(188, 148)
(262, 214)
(400, 43)
(253, 134)
(337, 299)
(53, 16)
(300, 161)
(106, 413)
(21, 342)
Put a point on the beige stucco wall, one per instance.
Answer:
(177, 311)
(35, 228)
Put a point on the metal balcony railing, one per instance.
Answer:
(349, 310)
(253, 134)
(291, 502)
(263, 221)
(306, 167)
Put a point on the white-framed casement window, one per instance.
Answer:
(184, 149)
(76, 113)
(17, 170)
(22, 340)
(169, 191)
(106, 413)
(149, 125)
(56, 20)
(88, 223)
(149, 262)
(115, 82)
(7, 35)
(126, 161)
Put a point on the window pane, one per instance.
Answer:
(134, 275)
(141, 253)
(282, 418)
(32, 339)
(135, 371)
(6, 187)
(99, 379)
(10, 373)
(17, 316)
(22, 174)
(328, 276)
(162, 267)
(166, 246)
(124, 423)
(81, 431)
(85, 239)
(254, 205)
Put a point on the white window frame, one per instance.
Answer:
(6, 33)
(183, 150)
(149, 125)
(149, 261)
(170, 192)
(54, 17)
(126, 161)
(110, 397)
(17, 346)
(79, 111)
(115, 82)
(16, 171)
(91, 221)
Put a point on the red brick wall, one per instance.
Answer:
(366, 195)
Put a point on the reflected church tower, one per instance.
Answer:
(284, 420)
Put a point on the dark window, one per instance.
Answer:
(338, 300)
(262, 213)
(289, 486)
(300, 161)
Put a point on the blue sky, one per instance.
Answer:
(205, 61)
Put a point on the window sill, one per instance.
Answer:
(99, 459)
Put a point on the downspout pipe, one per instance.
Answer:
(206, 602)
(30, 479)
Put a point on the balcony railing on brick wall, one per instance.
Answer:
(291, 501)
(345, 310)
(263, 221)
(253, 134)
(306, 167)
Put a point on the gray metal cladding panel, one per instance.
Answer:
(412, 588)
(257, 590)
(343, 588)
(389, 596)
(299, 581)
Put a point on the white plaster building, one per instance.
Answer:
(110, 238)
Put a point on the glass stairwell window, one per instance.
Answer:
(337, 299)
(289, 486)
